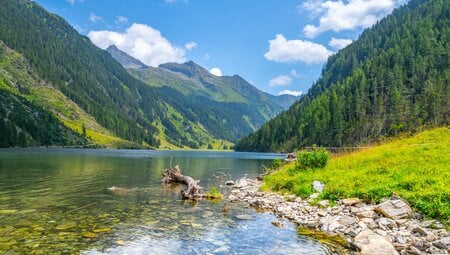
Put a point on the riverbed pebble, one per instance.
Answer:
(390, 227)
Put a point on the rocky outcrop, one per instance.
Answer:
(390, 227)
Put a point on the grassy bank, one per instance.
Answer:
(415, 168)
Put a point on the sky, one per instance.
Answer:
(279, 46)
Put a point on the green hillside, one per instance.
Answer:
(53, 67)
(227, 107)
(415, 168)
(394, 78)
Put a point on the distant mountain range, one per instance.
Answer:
(58, 88)
(394, 79)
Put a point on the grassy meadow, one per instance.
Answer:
(416, 168)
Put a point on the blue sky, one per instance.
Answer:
(278, 46)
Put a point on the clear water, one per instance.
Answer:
(56, 201)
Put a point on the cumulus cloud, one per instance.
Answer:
(216, 71)
(290, 92)
(142, 42)
(121, 19)
(190, 45)
(283, 50)
(282, 80)
(339, 43)
(95, 18)
(340, 15)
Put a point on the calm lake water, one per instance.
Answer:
(56, 201)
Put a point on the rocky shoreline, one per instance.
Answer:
(390, 227)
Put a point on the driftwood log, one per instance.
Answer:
(173, 175)
(192, 191)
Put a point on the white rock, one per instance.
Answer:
(318, 186)
(395, 208)
(373, 244)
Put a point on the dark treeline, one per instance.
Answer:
(24, 124)
(394, 78)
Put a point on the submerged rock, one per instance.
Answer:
(243, 217)
(89, 235)
(66, 225)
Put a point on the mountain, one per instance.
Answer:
(210, 100)
(394, 78)
(88, 98)
(284, 101)
(227, 107)
(124, 59)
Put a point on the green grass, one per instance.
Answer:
(416, 168)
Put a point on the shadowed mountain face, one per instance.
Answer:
(395, 78)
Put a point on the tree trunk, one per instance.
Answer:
(174, 175)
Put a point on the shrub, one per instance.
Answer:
(317, 158)
(276, 163)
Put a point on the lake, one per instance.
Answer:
(57, 201)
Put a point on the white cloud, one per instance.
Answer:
(294, 74)
(339, 43)
(283, 50)
(95, 18)
(74, 1)
(282, 80)
(190, 45)
(351, 14)
(121, 19)
(142, 42)
(290, 92)
(216, 71)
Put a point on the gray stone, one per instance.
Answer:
(347, 220)
(324, 203)
(243, 217)
(395, 208)
(230, 183)
(318, 186)
(351, 201)
(386, 222)
(414, 251)
(443, 243)
(372, 244)
(291, 198)
(419, 230)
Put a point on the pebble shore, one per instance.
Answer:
(390, 227)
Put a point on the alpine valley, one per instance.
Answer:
(58, 88)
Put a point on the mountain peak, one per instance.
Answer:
(190, 69)
(124, 59)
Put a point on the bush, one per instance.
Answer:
(318, 158)
(277, 163)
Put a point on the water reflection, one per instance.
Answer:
(57, 201)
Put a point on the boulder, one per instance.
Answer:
(443, 243)
(372, 244)
(351, 201)
(318, 186)
(346, 220)
(395, 208)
